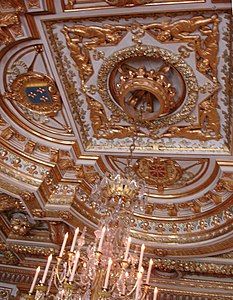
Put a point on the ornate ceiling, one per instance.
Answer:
(81, 79)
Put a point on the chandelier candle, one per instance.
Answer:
(74, 239)
(155, 293)
(127, 249)
(101, 239)
(149, 271)
(34, 280)
(63, 244)
(141, 257)
(46, 269)
(139, 281)
(108, 273)
(76, 259)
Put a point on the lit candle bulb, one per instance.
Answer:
(127, 249)
(46, 269)
(34, 280)
(108, 273)
(76, 259)
(101, 239)
(63, 244)
(149, 271)
(74, 239)
(141, 257)
(155, 293)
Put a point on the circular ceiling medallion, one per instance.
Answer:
(36, 92)
(149, 82)
(158, 172)
(147, 85)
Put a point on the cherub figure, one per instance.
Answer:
(98, 36)
(103, 127)
(80, 55)
(180, 30)
(207, 50)
(97, 115)
(208, 116)
(207, 128)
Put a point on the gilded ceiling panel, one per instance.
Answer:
(162, 76)
(96, 4)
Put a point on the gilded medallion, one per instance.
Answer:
(36, 92)
(158, 172)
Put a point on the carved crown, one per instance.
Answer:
(156, 83)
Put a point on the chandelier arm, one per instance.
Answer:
(134, 288)
(40, 292)
(59, 278)
(51, 279)
(70, 263)
(145, 292)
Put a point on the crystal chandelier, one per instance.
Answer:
(95, 275)
(106, 268)
(118, 193)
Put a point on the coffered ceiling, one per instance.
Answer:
(79, 81)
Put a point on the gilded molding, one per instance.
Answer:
(98, 37)
(192, 266)
(176, 294)
(29, 250)
(67, 185)
(122, 3)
